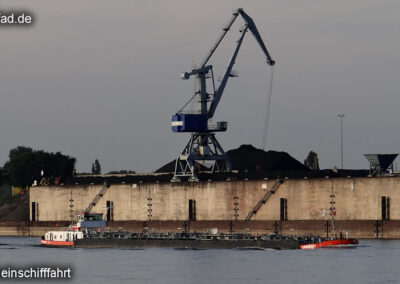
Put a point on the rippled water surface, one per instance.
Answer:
(374, 261)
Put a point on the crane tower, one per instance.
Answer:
(203, 147)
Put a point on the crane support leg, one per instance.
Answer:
(202, 148)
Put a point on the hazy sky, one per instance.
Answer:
(100, 79)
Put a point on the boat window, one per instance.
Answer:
(93, 217)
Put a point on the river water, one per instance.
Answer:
(373, 261)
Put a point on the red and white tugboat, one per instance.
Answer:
(331, 242)
(86, 222)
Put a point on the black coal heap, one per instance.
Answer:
(247, 161)
(247, 158)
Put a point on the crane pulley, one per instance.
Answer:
(203, 146)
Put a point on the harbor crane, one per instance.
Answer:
(203, 147)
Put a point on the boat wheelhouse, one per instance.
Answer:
(86, 223)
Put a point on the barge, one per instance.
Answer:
(78, 239)
(189, 241)
(90, 232)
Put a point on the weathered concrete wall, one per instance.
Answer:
(307, 199)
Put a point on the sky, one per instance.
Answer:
(100, 79)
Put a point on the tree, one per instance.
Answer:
(96, 168)
(25, 165)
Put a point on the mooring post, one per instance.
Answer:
(276, 228)
(377, 231)
(327, 228)
(184, 226)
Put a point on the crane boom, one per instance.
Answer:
(220, 38)
(252, 26)
(220, 90)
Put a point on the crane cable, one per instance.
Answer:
(267, 108)
(191, 99)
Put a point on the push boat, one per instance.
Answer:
(86, 224)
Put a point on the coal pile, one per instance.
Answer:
(247, 158)
(248, 163)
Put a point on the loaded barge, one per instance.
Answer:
(90, 232)
(187, 241)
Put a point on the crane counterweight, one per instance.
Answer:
(185, 75)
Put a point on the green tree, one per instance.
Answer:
(96, 168)
(26, 165)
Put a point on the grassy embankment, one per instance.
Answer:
(13, 208)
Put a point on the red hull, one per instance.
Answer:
(331, 243)
(56, 243)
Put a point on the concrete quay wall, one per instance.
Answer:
(306, 199)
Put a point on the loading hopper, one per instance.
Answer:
(380, 163)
